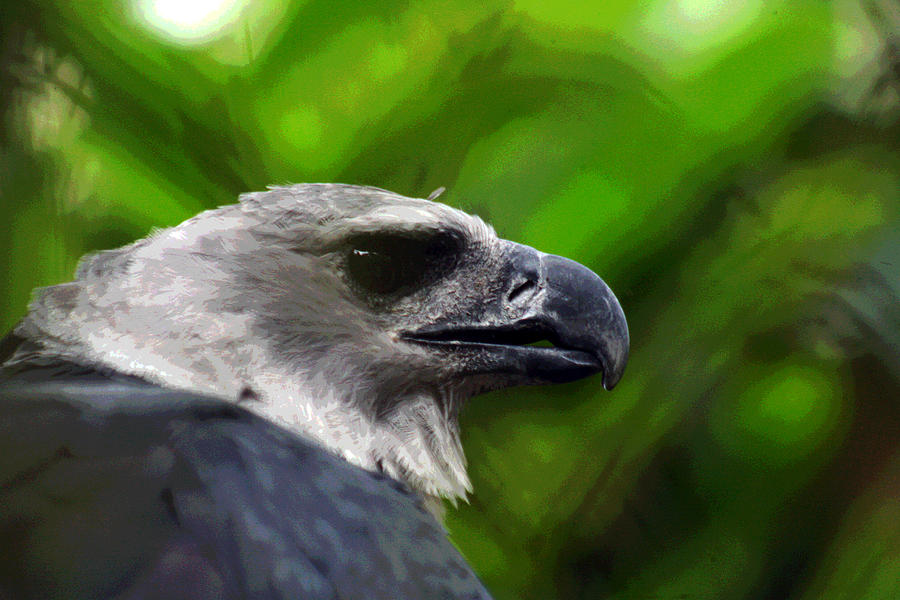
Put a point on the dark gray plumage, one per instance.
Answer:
(115, 488)
(262, 401)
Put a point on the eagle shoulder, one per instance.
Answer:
(114, 487)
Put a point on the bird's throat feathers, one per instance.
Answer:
(413, 439)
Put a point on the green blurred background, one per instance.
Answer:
(731, 168)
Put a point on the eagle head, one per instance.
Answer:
(358, 317)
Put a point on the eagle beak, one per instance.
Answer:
(554, 321)
(578, 310)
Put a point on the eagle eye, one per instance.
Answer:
(390, 264)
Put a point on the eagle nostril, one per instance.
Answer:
(519, 290)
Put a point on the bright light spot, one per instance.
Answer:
(679, 28)
(189, 21)
(706, 16)
(856, 45)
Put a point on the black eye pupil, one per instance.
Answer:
(375, 271)
(389, 265)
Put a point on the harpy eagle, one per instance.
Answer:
(261, 401)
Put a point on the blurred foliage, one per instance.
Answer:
(732, 169)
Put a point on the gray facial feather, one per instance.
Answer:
(252, 298)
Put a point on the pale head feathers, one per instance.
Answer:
(253, 296)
